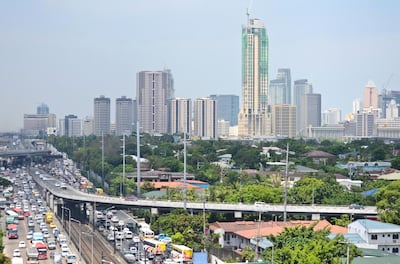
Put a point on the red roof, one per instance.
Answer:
(249, 229)
(173, 185)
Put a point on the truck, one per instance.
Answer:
(32, 255)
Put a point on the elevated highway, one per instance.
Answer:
(76, 196)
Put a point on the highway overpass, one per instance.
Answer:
(76, 196)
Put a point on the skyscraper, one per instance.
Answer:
(102, 122)
(205, 118)
(227, 107)
(180, 115)
(301, 87)
(153, 92)
(253, 114)
(370, 100)
(280, 88)
(311, 107)
(42, 109)
(123, 116)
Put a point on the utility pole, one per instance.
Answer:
(286, 184)
(184, 170)
(102, 159)
(138, 157)
(258, 235)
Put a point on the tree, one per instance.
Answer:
(303, 245)
(388, 203)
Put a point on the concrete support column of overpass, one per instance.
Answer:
(315, 217)
(238, 214)
(51, 201)
(154, 211)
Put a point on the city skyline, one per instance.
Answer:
(66, 53)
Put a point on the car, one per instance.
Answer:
(133, 250)
(57, 184)
(52, 225)
(259, 203)
(22, 244)
(114, 219)
(110, 237)
(130, 258)
(64, 250)
(356, 206)
(17, 252)
(119, 235)
(29, 235)
(136, 239)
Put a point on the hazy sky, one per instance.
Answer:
(66, 52)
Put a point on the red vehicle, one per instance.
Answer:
(20, 213)
(12, 234)
(41, 248)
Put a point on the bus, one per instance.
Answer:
(155, 246)
(145, 232)
(32, 256)
(20, 213)
(10, 219)
(41, 248)
(181, 253)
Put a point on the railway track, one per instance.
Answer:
(93, 247)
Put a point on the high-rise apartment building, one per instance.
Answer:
(253, 116)
(301, 87)
(311, 107)
(283, 120)
(370, 100)
(279, 89)
(365, 124)
(153, 92)
(180, 116)
(205, 118)
(102, 115)
(227, 107)
(123, 116)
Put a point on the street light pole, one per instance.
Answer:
(258, 235)
(184, 170)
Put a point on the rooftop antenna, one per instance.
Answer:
(248, 11)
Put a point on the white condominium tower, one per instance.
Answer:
(205, 118)
(253, 114)
(180, 115)
(153, 91)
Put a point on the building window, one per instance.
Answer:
(383, 235)
(395, 236)
(374, 237)
(395, 250)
